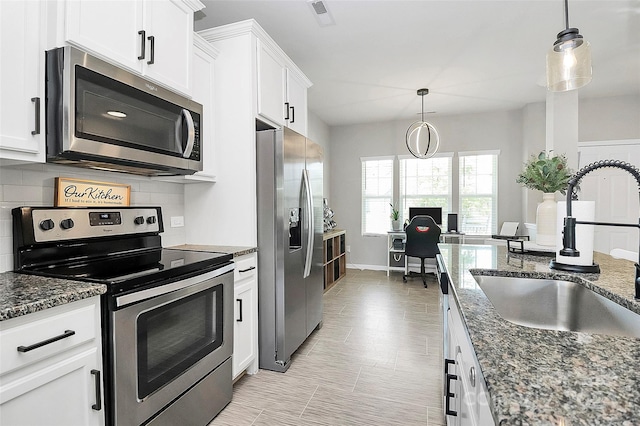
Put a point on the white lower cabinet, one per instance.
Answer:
(466, 402)
(51, 367)
(245, 330)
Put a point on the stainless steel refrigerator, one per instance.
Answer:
(290, 269)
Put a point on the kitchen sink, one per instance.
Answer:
(558, 305)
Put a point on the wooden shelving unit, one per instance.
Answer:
(335, 258)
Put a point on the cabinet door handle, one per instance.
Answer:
(143, 48)
(448, 393)
(98, 405)
(240, 309)
(448, 362)
(248, 269)
(286, 107)
(152, 40)
(36, 102)
(293, 114)
(67, 333)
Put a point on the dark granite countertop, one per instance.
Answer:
(22, 294)
(545, 377)
(236, 251)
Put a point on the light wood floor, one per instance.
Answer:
(377, 360)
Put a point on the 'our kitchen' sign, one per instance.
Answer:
(87, 193)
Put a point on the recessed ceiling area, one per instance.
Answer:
(473, 55)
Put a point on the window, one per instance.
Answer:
(478, 192)
(377, 194)
(426, 183)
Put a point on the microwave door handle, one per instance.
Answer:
(191, 136)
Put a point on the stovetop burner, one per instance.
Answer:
(122, 272)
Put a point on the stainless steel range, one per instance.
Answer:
(167, 316)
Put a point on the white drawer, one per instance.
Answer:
(72, 327)
(246, 267)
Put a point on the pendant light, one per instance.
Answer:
(422, 138)
(569, 60)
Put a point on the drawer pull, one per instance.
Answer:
(67, 333)
(98, 405)
(247, 270)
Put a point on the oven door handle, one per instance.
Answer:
(168, 288)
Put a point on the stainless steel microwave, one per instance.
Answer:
(103, 117)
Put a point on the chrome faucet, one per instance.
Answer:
(569, 237)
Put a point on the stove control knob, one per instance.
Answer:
(139, 220)
(151, 220)
(47, 224)
(66, 224)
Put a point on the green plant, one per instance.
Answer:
(395, 214)
(546, 173)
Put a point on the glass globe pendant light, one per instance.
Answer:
(569, 60)
(422, 138)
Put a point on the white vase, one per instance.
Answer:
(395, 225)
(546, 218)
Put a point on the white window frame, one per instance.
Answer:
(493, 195)
(385, 199)
(404, 205)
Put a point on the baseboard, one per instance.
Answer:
(366, 267)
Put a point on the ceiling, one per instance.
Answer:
(473, 55)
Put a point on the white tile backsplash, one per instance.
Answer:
(10, 176)
(23, 194)
(33, 185)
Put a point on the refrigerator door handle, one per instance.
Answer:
(310, 233)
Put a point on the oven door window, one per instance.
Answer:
(115, 113)
(173, 337)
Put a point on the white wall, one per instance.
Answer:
(488, 131)
(33, 185)
(611, 118)
(533, 141)
(319, 132)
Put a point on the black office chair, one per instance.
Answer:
(423, 235)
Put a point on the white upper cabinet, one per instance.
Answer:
(282, 87)
(21, 82)
(153, 38)
(271, 85)
(297, 103)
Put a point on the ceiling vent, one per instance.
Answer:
(322, 14)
